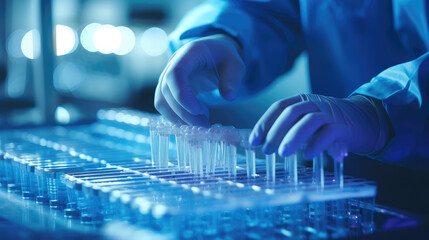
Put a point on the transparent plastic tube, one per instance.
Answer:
(187, 155)
(206, 156)
(212, 143)
(231, 136)
(318, 171)
(186, 147)
(218, 145)
(191, 144)
(221, 155)
(271, 167)
(211, 160)
(154, 147)
(180, 152)
(232, 160)
(198, 160)
(250, 163)
(249, 151)
(163, 150)
(202, 138)
(338, 173)
(338, 151)
(291, 169)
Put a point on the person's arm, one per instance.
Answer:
(268, 32)
(224, 50)
(403, 92)
(385, 118)
(403, 89)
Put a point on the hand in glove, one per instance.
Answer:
(316, 123)
(207, 64)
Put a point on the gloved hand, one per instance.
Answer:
(315, 123)
(203, 65)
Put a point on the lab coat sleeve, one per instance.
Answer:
(269, 32)
(403, 89)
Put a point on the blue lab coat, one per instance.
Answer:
(378, 48)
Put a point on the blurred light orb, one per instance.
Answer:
(69, 76)
(107, 39)
(87, 36)
(66, 40)
(62, 115)
(14, 44)
(30, 44)
(128, 41)
(154, 41)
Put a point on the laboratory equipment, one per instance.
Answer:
(180, 181)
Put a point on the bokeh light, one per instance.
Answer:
(128, 41)
(68, 76)
(30, 44)
(87, 37)
(66, 40)
(107, 39)
(62, 115)
(154, 41)
(14, 44)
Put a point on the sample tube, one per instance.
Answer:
(154, 141)
(271, 167)
(205, 149)
(231, 138)
(231, 150)
(250, 162)
(338, 151)
(198, 154)
(185, 137)
(163, 150)
(291, 169)
(164, 140)
(338, 172)
(212, 142)
(249, 151)
(199, 151)
(178, 134)
(219, 138)
(318, 172)
(193, 152)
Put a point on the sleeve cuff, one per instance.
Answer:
(214, 18)
(399, 90)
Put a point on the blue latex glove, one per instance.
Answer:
(201, 66)
(315, 123)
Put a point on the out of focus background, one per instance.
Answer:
(110, 53)
(105, 53)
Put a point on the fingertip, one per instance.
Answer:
(266, 149)
(229, 94)
(254, 139)
(284, 151)
(193, 108)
